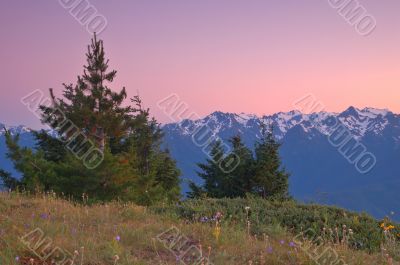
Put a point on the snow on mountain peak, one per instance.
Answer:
(357, 121)
(14, 129)
(376, 112)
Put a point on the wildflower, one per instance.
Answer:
(218, 215)
(292, 244)
(44, 216)
(387, 228)
(204, 219)
(17, 259)
(118, 238)
(217, 232)
(282, 242)
(390, 227)
(270, 250)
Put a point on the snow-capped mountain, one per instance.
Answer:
(358, 122)
(14, 129)
(320, 170)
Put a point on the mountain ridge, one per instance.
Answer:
(358, 121)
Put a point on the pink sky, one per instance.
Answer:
(228, 55)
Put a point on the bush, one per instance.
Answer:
(292, 216)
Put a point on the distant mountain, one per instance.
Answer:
(319, 171)
(350, 159)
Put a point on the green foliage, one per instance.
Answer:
(8, 180)
(294, 217)
(212, 174)
(53, 149)
(262, 175)
(91, 116)
(270, 178)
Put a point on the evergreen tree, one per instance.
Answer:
(242, 174)
(90, 115)
(262, 175)
(212, 175)
(31, 164)
(158, 177)
(91, 105)
(271, 179)
(219, 183)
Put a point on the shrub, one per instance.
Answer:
(292, 216)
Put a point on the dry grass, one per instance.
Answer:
(116, 233)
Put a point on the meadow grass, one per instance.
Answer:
(124, 233)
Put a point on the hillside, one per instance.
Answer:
(119, 233)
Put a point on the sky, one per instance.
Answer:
(238, 56)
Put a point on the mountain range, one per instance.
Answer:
(349, 159)
(322, 170)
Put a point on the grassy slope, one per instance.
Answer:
(96, 234)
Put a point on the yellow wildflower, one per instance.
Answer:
(217, 232)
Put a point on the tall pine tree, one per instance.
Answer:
(91, 115)
(271, 179)
(239, 181)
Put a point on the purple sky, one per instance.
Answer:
(235, 56)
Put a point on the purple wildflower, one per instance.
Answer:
(204, 219)
(44, 216)
(270, 250)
